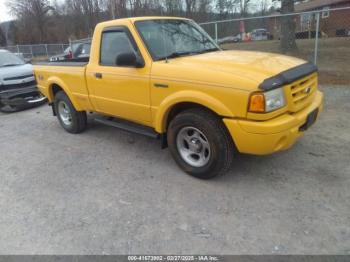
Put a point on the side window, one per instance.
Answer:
(114, 43)
(86, 49)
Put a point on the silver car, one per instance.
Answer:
(18, 88)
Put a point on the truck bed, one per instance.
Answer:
(67, 75)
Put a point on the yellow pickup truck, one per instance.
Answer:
(166, 78)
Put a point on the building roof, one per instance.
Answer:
(317, 4)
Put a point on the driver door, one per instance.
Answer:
(119, 90)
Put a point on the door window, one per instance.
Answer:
(114, 43)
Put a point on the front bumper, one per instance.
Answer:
(22, 97)
(266, 137)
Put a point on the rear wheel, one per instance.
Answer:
(71, 120)
(200, 143)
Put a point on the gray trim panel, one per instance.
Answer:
(288, 76)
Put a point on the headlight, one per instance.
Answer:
(274, 100)
(266, 102)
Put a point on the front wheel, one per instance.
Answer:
(200, 143)
(1, 106)
(71, 120)
(7, 108)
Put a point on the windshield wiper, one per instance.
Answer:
(176, 54)
(180, 54)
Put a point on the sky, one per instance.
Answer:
(4, 14)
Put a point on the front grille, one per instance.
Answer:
(16, 86)
(18, 77)
(302, 91)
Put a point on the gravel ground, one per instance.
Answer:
(110, 192)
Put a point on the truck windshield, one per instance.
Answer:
(174, 38)
(9, 59)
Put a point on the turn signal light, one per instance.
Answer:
(257, 103)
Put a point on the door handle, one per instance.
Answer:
(98, 75)
(161, 85)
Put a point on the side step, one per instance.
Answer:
(128, 126)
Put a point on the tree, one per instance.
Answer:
(84, 15)
(204, 8)
(190, 7)
(118, 8)
(33, 16)
(56, 21)
(2, 38)
(287, 43)
(12, 33)
(225, 7)
(243, 6)
(173, 7)
(263, 7)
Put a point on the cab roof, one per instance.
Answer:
(142, 18)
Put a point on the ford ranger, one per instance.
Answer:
(166, 78)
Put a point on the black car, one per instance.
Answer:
(80, 50)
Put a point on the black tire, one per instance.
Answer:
(222, 148)
(7, 108)
(78, 120)
(1, 106)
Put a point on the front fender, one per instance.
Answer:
(57, 81)
(187, 96)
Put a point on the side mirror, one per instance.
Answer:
(129, 59)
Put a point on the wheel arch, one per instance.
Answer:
(181, 101)
(56, 85)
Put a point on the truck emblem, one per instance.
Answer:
(307, 90)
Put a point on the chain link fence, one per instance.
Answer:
(43, 51)
(37, 52)
(322, 37)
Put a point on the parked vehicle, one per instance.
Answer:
(260, 35)
(167, 79)
(80, 50)
(229, 39)
(17, 84)
(67, 54)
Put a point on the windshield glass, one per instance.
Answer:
(9, 59)
(174, 38)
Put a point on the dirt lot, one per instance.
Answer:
(106, 192)
(333, 58)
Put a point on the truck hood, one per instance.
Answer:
(237, 69)
(14, 72)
